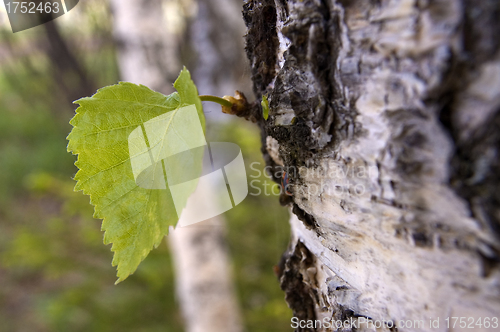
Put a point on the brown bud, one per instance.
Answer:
(240, 104)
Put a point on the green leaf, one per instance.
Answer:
(265, 107)
(122, 135)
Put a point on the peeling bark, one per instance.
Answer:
(385, 114)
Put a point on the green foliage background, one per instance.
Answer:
(55, 272)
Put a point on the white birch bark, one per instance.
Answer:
(386, 116)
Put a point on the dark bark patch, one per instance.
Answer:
(306, 218)
(410, 145)
(261, 42)
(422, 239)
(476, 173)
(481, 30)
(298, 294)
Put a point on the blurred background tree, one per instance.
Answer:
(55, 273)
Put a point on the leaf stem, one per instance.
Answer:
(217, 100)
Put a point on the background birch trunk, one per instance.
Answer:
(386, 116)
(155, 39)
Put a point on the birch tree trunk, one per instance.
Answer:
(154, 40)
(385, 114)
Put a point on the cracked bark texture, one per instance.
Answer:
(386, 116)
